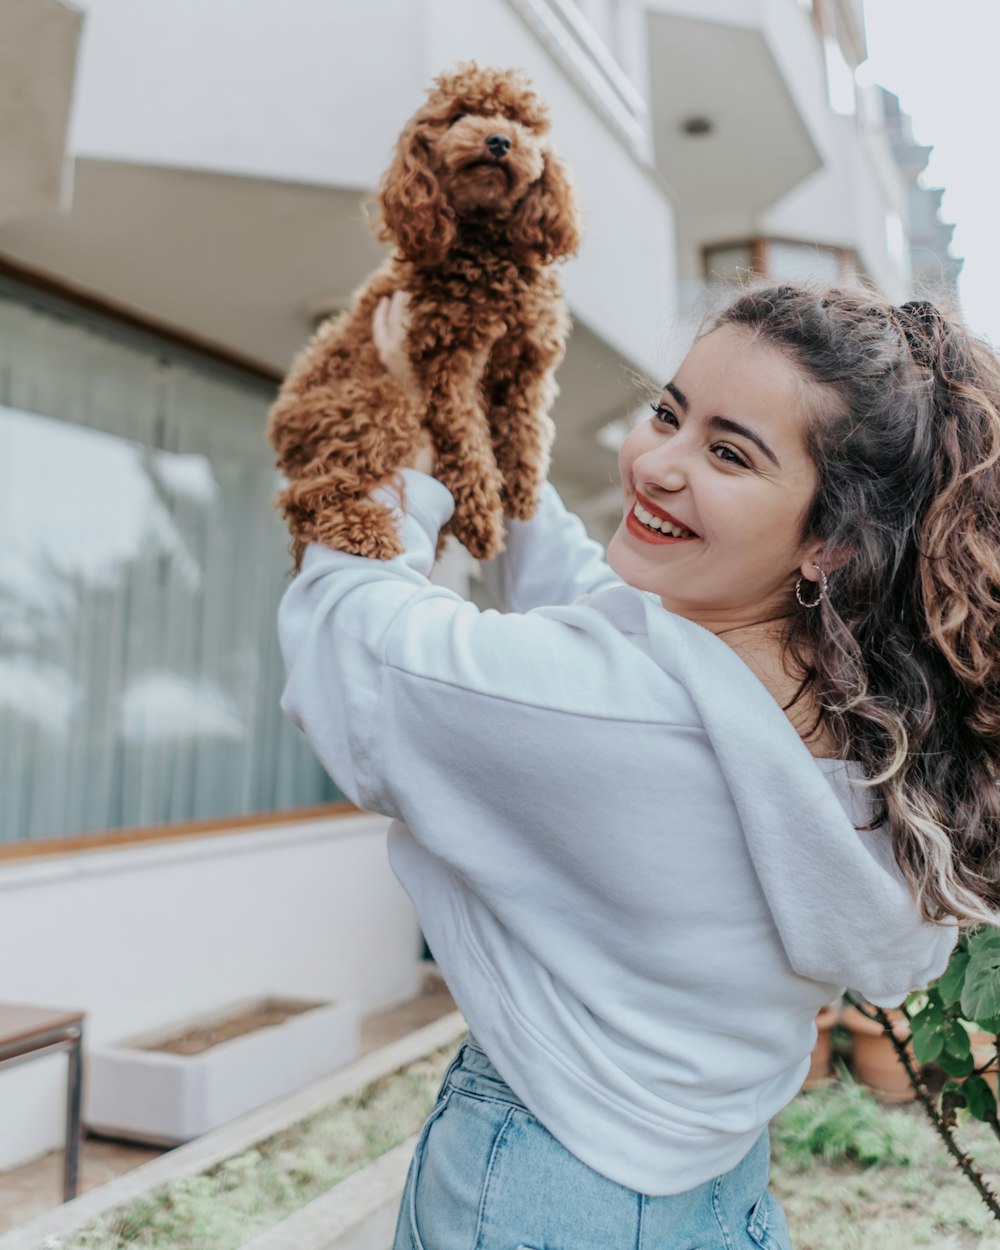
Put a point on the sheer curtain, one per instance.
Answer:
(140, 569)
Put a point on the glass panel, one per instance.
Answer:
(140, 569)
(800, 262)
(732, 261)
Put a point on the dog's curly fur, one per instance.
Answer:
(476, 236)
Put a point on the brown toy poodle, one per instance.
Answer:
(479, 209)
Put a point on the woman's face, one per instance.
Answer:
(723, 461)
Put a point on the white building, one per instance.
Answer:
(182, 190)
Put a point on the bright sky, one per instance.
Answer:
(941, 59)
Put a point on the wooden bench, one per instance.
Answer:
(28, 1033)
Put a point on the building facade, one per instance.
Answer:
(184, 189)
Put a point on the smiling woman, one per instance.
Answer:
(723, 459)
(623, 806)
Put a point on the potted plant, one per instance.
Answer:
(820, 1062)
(877, 1062)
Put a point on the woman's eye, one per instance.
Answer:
(730, 456)
(662, 415)
(457, 118)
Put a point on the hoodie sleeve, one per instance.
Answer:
(332, 626)
(395, 680)
(548, 560)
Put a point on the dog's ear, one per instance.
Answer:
(414, 211)
(547, 221)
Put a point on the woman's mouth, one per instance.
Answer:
(653, 528)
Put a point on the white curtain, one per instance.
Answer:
(141, 566)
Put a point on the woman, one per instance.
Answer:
(666, 806)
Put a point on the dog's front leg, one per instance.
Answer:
(450, 374)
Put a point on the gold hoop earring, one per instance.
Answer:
(824, 585)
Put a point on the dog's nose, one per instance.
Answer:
(499, 146)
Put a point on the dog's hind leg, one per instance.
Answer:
(519, 389)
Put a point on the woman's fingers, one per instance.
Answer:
(425, 458)
(399, 316)
(379, 326)
(390, 326)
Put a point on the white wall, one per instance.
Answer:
(623, 284)
(306, 90)
(143, 936)
(315, 91)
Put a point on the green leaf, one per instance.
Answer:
(979, 1098)
(932, 1012)
(956, 1066)
(956, 1041)
(981, 992)
(983, 938)
(949, 984)
(928, 1043)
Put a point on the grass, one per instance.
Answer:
(244, 1196)
(851, 1173)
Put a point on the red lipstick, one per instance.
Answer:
(636, 527)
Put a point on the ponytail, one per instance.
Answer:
(903, 655)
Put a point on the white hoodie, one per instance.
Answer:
(638, 883)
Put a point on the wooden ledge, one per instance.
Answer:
(107, 839)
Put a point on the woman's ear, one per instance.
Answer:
(817, 555)
(415, 213)
(547, 221)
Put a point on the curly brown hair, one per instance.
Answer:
(903, 654)
(417, 205)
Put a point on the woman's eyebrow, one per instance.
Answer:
(724, 423)
(734, 427)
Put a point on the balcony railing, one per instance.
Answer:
(573, 42)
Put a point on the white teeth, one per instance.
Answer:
(658, 523)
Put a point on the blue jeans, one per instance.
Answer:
(487, 1176)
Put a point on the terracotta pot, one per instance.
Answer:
(984, 1049)
(876, 1063)
(822, 1054)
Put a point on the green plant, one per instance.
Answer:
(966, 995)
(843, 1121)
(248, 1193)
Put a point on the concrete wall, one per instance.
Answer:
(140, 937)
(314, 92)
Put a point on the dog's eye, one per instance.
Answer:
(457, 118)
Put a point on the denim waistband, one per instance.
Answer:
(473, 1073)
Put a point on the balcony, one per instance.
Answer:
(739, 114)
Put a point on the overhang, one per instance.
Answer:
(247, 265)
(735, 101)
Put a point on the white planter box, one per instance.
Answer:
(369, 1202)
(163, 1098)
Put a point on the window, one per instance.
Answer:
(140, 569)
(779, 258)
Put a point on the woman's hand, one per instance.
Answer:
(390, 324)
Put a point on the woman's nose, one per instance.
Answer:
(661, 470)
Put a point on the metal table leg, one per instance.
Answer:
(74, 1099)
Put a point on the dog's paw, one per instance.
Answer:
(520, 496)
(362, 527)
(358, 525)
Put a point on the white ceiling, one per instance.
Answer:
(242, 264)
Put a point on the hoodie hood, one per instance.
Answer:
(843, 910)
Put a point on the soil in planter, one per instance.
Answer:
(262, 1015)
(236, 1200)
